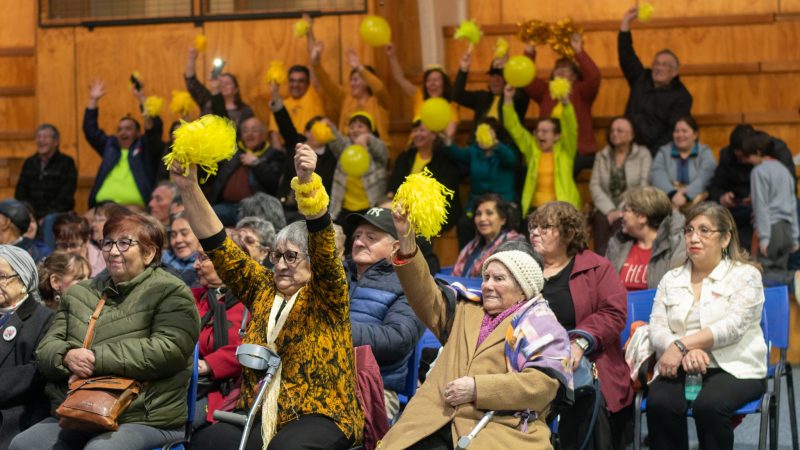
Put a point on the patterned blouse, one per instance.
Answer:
(315, 345)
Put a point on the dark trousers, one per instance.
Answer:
(722, 394)
(311, 432)
(776, 263)
(743, 218)
(442, 439)
(602, 231)
(612, 430)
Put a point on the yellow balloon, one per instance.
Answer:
(375, 31)
(519, 71)
(354, 160)
(435, 114)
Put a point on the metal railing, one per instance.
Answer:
(99, 13)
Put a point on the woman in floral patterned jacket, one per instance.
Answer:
(300, 310)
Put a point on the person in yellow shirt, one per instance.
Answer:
(435, 83)
(302, 104)
(367, 92)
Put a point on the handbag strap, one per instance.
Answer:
(87, 341)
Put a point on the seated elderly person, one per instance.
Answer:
(588, 298)
(24, 320)
(650, 242)
(492, 215)
(256, 236)
(379, 313)
(146, 329)
(183, 250)
(471, 376)
(72, 234)
(300, 310)
(705, 320)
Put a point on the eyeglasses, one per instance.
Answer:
(68, 245)
(702, 231)
(543, 227)
(122, 244)
(289, 256)
(4, 278)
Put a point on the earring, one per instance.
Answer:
(725, 253)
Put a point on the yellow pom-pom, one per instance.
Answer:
(205, 142)
(200, 43)
(276, 73)
(645, 12)
(560, 88)
(322, 132)
(301, 28)
(470, 31)
(425, 200)
(153, 105)
(484, 136)
(557, 111)
(181, 103)
(500, 48)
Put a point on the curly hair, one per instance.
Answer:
(569, 222)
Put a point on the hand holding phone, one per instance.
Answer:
(219, 64)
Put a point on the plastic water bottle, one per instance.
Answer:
(692, 385)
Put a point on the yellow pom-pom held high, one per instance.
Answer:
(426, 201)
(204, 142)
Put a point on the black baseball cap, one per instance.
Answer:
(17, 213)
(381, 218)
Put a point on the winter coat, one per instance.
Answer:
(637, 174)
(263, 177)
(22, 399)
(147, 330)
(48, 189)
(701, 162)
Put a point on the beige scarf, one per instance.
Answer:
(269, 409)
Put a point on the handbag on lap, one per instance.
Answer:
(95, 404)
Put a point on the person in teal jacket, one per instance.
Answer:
(556, 137)
(491, 163)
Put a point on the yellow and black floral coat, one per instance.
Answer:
(315, 344)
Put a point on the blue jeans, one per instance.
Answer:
(130, 436)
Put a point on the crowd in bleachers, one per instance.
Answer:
(299, 246)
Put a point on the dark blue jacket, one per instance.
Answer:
(381, 318)
(143, 156)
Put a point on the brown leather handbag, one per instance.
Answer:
(95, 404)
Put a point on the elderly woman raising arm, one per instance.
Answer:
(472, 376)
(301, 310)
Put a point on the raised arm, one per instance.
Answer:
(461, 95)
(375, 84)
(397, 72)
(91, 129)
(199, 93)
(569, 129)
(328, 89)
(519, 134)
(629, 62)
(590, 83)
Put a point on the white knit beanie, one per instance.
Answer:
(523, 268)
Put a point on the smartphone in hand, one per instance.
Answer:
(219, 64)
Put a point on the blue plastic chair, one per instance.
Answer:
(428, 340)
(446, 270)
(640, 304)
(472, 284)
(776, 305)
(766, 405)
(191, 400)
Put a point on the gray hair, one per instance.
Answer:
(264, 206)
(169, 184)
(52, 128)
(295, 233)
(263, 229)
(23, 265)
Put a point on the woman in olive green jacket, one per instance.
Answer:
(146, 330)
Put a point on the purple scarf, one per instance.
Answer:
(489, 323)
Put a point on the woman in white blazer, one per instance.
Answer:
(706, 319)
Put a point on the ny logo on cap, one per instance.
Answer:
(374, 212)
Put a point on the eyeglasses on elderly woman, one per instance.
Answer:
(122, 244)
(289, 256)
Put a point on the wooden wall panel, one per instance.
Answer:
(17, 71)
(56, 87)
(17, 113)
(17, 23)
(513, 11)
(483, 11)
(789, 6)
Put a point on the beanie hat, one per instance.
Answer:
(523, 268)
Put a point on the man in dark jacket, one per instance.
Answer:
(657, 98)
(129, 163)
(379, 312)
(730, 186)
(256, 167)
(48, 178)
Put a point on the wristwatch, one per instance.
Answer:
(681, 346)
(583, 343)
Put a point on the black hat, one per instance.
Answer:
(379, 217)
(17, 213)
(495, 71)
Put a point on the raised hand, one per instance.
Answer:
(391, 52)
(97, 89)
(628, 17)
(316, 52)
(352, 58)
(576, 40)
(508, 93)
(183, 180)
(405, 231)
(305, 161)
(191, 55)
(466, 60)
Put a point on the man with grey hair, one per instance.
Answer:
(658, 97)
(256, 167)
(48, 178)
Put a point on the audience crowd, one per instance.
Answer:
(164, 264)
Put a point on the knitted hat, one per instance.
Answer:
(523, 268)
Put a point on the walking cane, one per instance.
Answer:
(464, 441)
